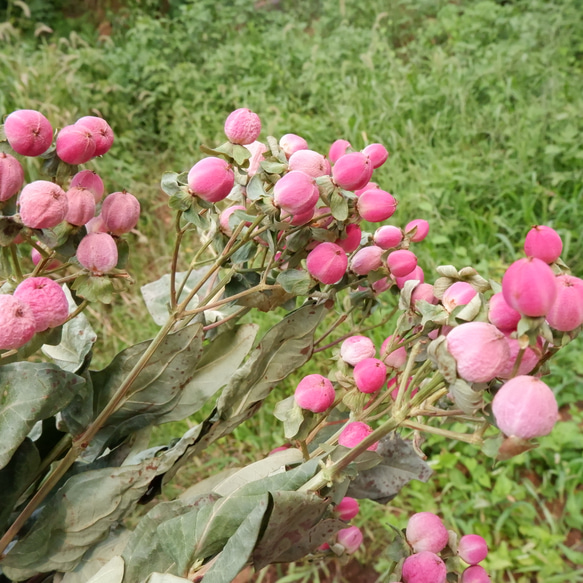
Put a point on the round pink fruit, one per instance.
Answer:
(472, 548)
(351, 241)
(327, 263)
(75, 144)
(352, 171)
(257, 150)
(424, 567)
(11, 176)
(457, 294)
(424, 291)
(97, 252)
(376, 205)
(28, 132)
(395, 358)
(528, 361)
(338, 149)
(310, 162)
(101, 132)
(296, 192)
(426, 532)
(120, 212)
(211, 179)
(314, 393)
(17, 324)
(291, 143)
(566, 313)
(347, 508)
(475, 574)
(422, 229)
(242, 126)
(388, 236)
(80, 206)
(366, 260)
(43, 205)
(224, 218)
(377, 153)
(416, 274)
(46, 299)
(350, 538)
(356, 348)
(543, 243)
(91, 181)
(370, 375)
(354, 433)
(501, 314)
(401, 262)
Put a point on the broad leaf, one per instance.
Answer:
(166, 578)
(295, 281)
(111, 572)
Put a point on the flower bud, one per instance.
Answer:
(417, 274)
(457, 294)
(388, 236)
(296, 192)
(354, 433)
(376, 205)
(97, 252)
(426, 532)
(291, 143)
(501, 314)
(28, 132)
(310, 162)
(543, 243)
(366, 260)
(370, 375)
(566, 313)
(46, 299)
(80, 206)
(91, 181)
(350, 538)
(327, 263)
(75, 144)
(347, 508)
(395, 358)
(17, 324)
(424, 567)
(211, 179)
(43, 205)
(120, 212)
(356, 348)
(101, 132)
(422, 231)
(475, 574)
(377, 153)
(401, 262)
(352, 171)
(472, 548)
(242, 126)
(11, 176)
(338, 149)
(314, 393)
(351, 241)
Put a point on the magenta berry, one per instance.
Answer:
(525, 407)
(46, 299)
(422, 229)
(457, 294)
(338, 149)
(350, 538)
(475, 574)
(566, 313)
(97, 252)
(416, 274)
(396, 358)
(424, 567)
(327, 263)
(291, 143)
(91, 181)
(351, 241)
(80, 206)
(356, 348)
(376, 205)
(11, 176)
(354, 433)
(388, 236)
(242, 126)
(96, 225)
(366, 260)
(314, 393)
(370, 375)
(543, 243)
(426, 532)
(310, 162)
(377, 153)
(352, 171)
(75, 144)
(211, 179)
(101, 132)
(347, 508)
(43, 205)
(367, 186)
(17, 323)
(472, 548)
(120, 212)
(401, 262)
(296, 192)
(28, 132)
(501, 314)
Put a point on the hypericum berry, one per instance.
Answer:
(101, 131)
(224, 218)
(356, 348)
(347, 508)
(312, 163)
(28, 132)
(338, 149)
(46, 299)
(257, 150)
(120, 212)
(296, 192)
(350, 538)
(424, 567)
(475, 574)
(327, 263)
(529, 359)
(382, 285)
(422, 231)
(351, 241)
(472, 548)
(426, 532)
(314, 393)
(480, 351)
(211, 179)
(322, 218)
(543, 243)
(291, 143)
(367, 186)
(36, 258)
(376, 205)
(457, 294)
(529, 287)
(75, 144)
(17, 323)
(525, 407)
(42, 204)
(388, 236)
(11, 176)
(91, 181)
(377, 153)
(242, 126)
(80, 206)
(97, 252)
(416, 274)
(370, 375)
(366, 260)
(96, 225)
(566, 313)
(352, 171)
(401, 262)
(501, 314)
(298, 219)
(396, 358)
(354, 433)
(423, 291)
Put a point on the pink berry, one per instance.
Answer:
(224, 218)
(426, 532)
(401, 262)
(352, 171)
(46, 299)
(529, 287)
(242, 126)
(396, 358)
(75, 144)
(350, 538)
(296, 192)
(298, 219)
(424, 291)
(96, 225)
(366, 260)
(101, 131)
(501, 314)
(80, 206)
(91, 181)
(43, 205)
(381, 285)
(347, 508)
(120, 212)
(472, 548)
(377, 153)
(211, 179)
(543, 243)
(356, 348)
(370, 375)
(351, 241)
(416, 274)
(291, 143)
(388, 236)
(480, 351)
(338, 149)
(422, 231)
(28, 132)
(314, 393)
(475, 574)
(36, 258)
(257, 150)
(97, 252)
(376, 205)
(354, 433)
(322, 218)
(17, 323)
(528, 361)
(11, 176)
(310, 162)
(327, 263)
(457, 294)
(424, 567)
(566, 313)
(525, 407)
(367, 186)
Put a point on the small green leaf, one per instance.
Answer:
(94, 288)
(255, 189)
(181, 200)
(295, 281)
(169, 183)
(338, 206)
(272, 167)
(123, 253)
(440, 355)
(240, 154)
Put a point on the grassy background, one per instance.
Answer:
(480, 104)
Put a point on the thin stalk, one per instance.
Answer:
(473, 439)
(406, 374)
(15, 262)
(517, 362)
(77, 311)
(174, 263)
(236, 314)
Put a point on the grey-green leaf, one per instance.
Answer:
(295, 281)
(465, 397)
(111, 572)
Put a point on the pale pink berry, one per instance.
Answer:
(426, 532)
(424, 567)
(475, 574)
(525, 407)
(28, 132)
(43, 205)
(327, 263)
(354, 433)
(350, 538)
(352, 238)
(457, 294)
(46, 299)
(367, 186)
(91, 181)
(416, 274)
(566, 313)
(298, 219)
(224, 218)
(291, 143)
(388, 236)
(423, 291)
(480, 351)
(242, 126)
(322, 218)
(120, 212)
(75, 144)
(529, 287)
(347, 508)
(366, 260)
(36, 258)
(370, 375)
(352, 171)
(356, 348)
(211, 179)
(101, 131)
(377, 153)
(17, 323)
(11, 176)
(381, 285)
(338, 149)
(314, 393)
(310, 162)
(296, 192)
(401, 262)
(376, 205)
(80, 206)
(422, 231)
(528, 361)
(97, 252)
(257, 150)
(393, 357)
(501, 314)
(472, 548)
(543, 243)
(96, 225)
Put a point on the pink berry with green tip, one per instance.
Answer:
(75, 144)
(97, 252)
(211, 179)
(356, 348)
(370, 375)
(377, 153)
(475, 574)
(352, 171)
(347, 508)
(543, 243)
(101, 132)
(120, 212)
(46, 299)
(376, 205)
(327, 263)
(472, 548)
(424, 567)
(354, 433)
(42, 204)
(28, 132)
(17, 323)
(11, 176)
(314, 393)
(242, 126)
